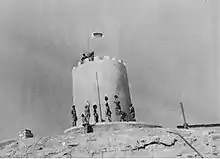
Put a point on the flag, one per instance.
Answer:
(97, 35)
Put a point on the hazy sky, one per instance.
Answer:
(170, 47)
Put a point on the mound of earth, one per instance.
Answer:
(129, 141)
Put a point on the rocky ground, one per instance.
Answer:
(126, 142)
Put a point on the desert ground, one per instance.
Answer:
(118, 140)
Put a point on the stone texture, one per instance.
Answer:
(126, 142)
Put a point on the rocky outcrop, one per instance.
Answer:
(26, 133)
(130, 141)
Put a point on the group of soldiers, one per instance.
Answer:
(89, 56)
(108, 113)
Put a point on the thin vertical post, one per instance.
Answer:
(184, 117)
(73, 86)
(89, 42)
(100, 109)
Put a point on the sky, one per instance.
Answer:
(170, 48)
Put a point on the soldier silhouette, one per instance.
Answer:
(108, 112)
(85, 122)
(96, 116)
(118, 106)
(83, 58)
(87, 111)
(74, 115)
(132, 112)
(123, 116)
(89, 55)
(106, 98)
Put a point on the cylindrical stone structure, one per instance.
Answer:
(112, 80)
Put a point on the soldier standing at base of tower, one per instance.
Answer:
(132, 112)
(124, 116)
(96, 116)
(87, 111)
(84, 120)
(108, 112)
(117, 103)
(85, 123)
(74, 115)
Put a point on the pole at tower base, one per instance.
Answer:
(100, 109)
(185, 124)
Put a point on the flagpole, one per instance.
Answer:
(89, 40)
(73, 88)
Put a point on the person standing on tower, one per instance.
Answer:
(83, 58)
(74, 115)
(89, 56)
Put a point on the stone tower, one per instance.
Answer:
(112, 79)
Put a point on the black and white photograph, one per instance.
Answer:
(109, 78)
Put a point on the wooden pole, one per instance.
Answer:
(89, 40)
(184, 117)
(73, 87)
(100, 109)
